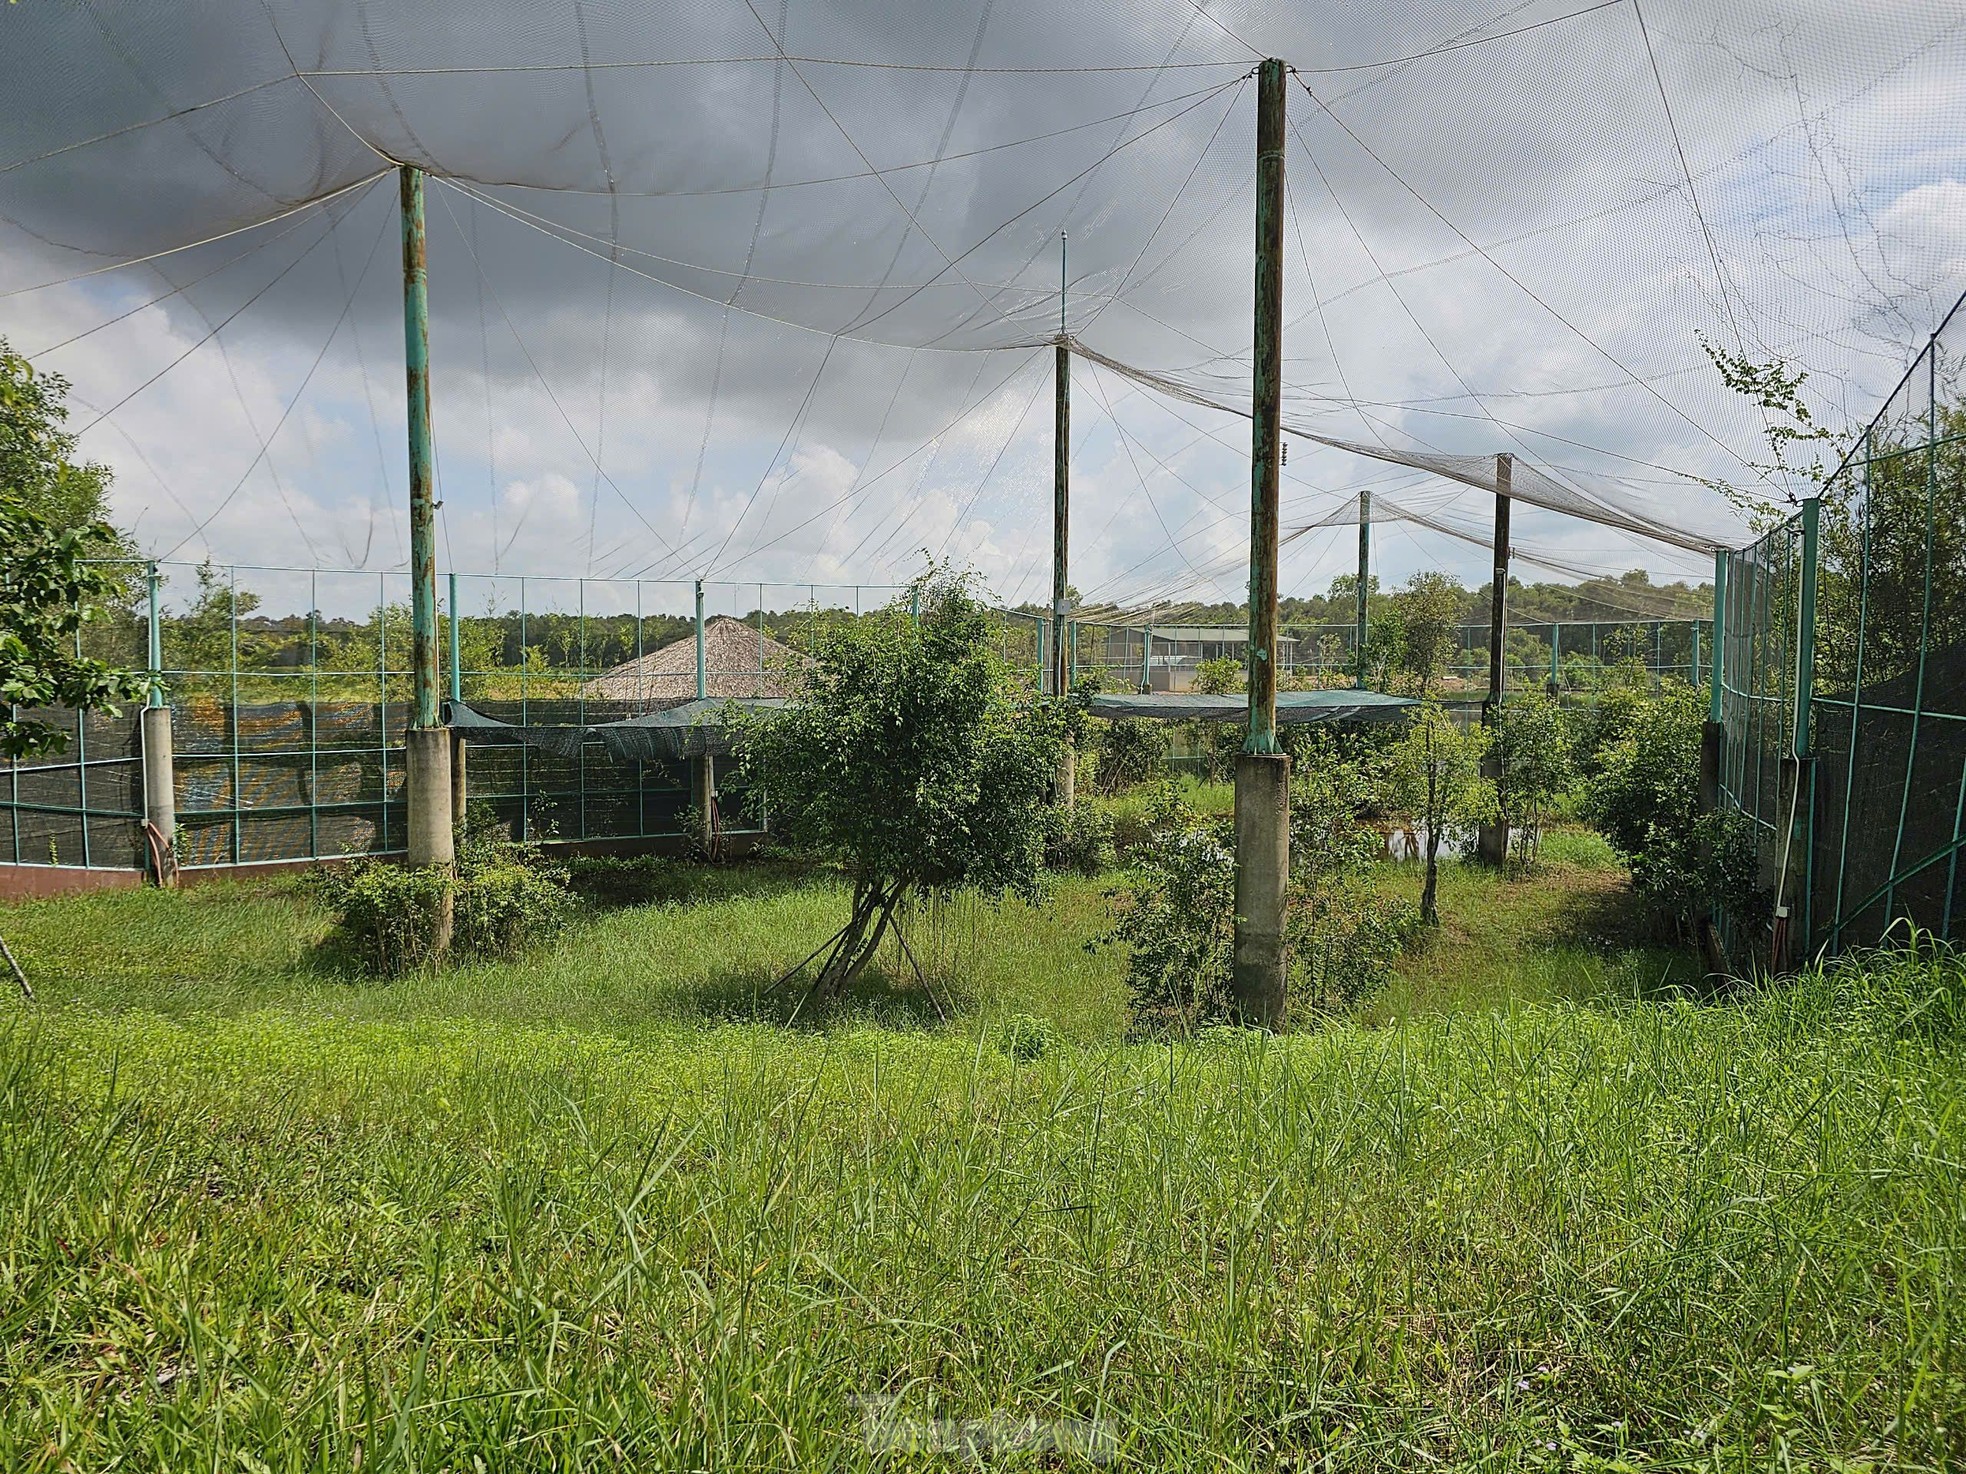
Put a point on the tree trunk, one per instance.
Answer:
(1429, 891)
(859, 939)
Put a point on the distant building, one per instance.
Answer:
(738, 660)
(1179, 648)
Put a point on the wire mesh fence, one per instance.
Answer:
(1843, 688)
(289, 692)
(1570, 657)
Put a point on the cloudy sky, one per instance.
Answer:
(764, 292)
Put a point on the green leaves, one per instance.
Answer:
(1645, 797)
(913, 758)
(47, 593)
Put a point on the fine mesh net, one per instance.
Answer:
(766, 292)
(1871, 822)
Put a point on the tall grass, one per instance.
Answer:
(290, 1222)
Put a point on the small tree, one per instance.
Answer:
(1344, 934)
(1531, 759)
(1130, 752)
(1435, 776)
(915, 760)
(37, 464)
(1429, 614)
(1176, 918)
(1645, 797)
(47, 594)
(1222, 676)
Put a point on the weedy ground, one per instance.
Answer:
(1548, 1202)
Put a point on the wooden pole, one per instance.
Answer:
(423, 503)
(1061, 529)
(1498, 597)
(1266, 439)
(1364, 582)
(1492, 840)
(1262, 823)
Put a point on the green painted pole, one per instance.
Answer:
(1719, 662)
(1364, 583)
(1147, 660)
(423, 505)
(1556, 657)
(1805, 655)
(702, 681)
(457, 672)
(1061, 512)
(1266, 431)
(156, 696)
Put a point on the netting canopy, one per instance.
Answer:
(736, 288)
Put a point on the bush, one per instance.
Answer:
(1645, 799)
(505, 905)
(1130, 752)
(387, 917)
(1078, 840)
(1177, 922)
(1344, 938)
(1024, 1037)
(1359, 936)
(1531, 755)
(1220, 677)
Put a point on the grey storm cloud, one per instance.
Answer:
(1493, 237)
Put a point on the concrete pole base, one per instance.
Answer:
(1491, 840)
(1068, 779)
(159, 794)
(428, 787)
(1262, 875)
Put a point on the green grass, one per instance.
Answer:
(595, 1209)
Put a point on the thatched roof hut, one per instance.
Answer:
(738, 660)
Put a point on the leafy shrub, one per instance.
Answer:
(1344, 937)
(1220, 677)
(507, 903)
(1177, 922)
(1531, 757)
(1645, 798)
(915, 760)
(387, 917)
(1078, 840)
(1434, 776)
(1177, 917)
(1595, 726)
(1359, 935)
(1024, 1037)
(1130, 752)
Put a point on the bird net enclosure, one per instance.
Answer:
(289, 692)
(1843, 692)
(1575, 657)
